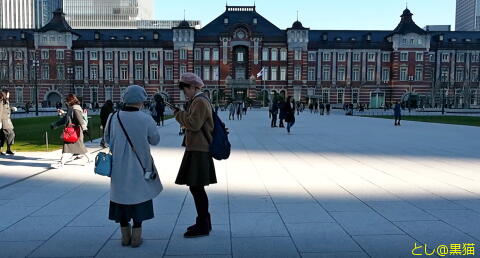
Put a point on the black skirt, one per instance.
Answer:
(197, 169)
(136, 212)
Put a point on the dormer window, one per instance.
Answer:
(353, 39)
(155, 35)
(338, 39)
(453, 39)
(141, 37)
(369, 37)
(97, 35)
(254, 20)
(22, 35)
(225, 21)
(128, 37)
(468, 40)
(324, 37)
(113, 38)
(440, 38)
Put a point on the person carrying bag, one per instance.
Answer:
(134, 180)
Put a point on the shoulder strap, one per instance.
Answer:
(130, 141)
(201, 129)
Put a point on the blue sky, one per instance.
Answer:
(319, 14)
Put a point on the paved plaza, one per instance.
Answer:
(336, 187)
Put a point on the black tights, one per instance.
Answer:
(201, 200)
(136, 224)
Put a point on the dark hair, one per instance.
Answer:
(72, 100)
(3, 96)
(289, 98)
(109, 102)
(182, 85)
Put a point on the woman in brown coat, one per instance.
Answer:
(73, 117)
(197, 169)
(7, 135)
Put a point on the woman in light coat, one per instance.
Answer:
(74, 116)
(7, 135)
(132, 189)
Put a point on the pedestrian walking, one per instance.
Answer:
(397, 112)
(7, 133)
(311, 108)
(290, 113)
(160, 110)
(274, 114)
(197, 169)
(315, 107)
(72, 119)
(322, 109)
(134, 178)
(281, 117)
(327, 106)
(105, 112)
(232, 109)
(239, 111)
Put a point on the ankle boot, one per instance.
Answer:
(198, 230)
(136, 237)
(209, 224)
(126, 235)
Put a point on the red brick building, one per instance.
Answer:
(334, 66)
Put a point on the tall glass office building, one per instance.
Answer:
(467, 16)
(17, 14)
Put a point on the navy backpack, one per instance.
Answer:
(220, 145)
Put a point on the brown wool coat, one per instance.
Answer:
(198, 123)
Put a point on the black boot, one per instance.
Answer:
(209, 224)
(201, 228)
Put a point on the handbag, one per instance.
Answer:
(148, 174)
(103, 160)
(71, 133)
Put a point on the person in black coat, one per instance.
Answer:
(397, 112)
(160, 109)
(105, 111)
(289, 113)
(281, 107)
(328, 108)
(274, 113)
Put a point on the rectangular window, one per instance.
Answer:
(123, 55)
(138, 55)
(206, 54)
(339, 96)
(473, 97)
(108, 55)
(265, 54)
(460, 57)
(78, 55)
(274, 54)
(386, 57)
(198, 71)
(356, 57)
(356, 73)
(445, 73)
(108, 93)
(18, 95)
(371, 74)
(341, 57)
(215, 73)
(419, 56)
(371, 57)
(108, 72)
(326, 95)
(216, 54)
(183, 69)
(138, 72)
(198, 54)
(419, 74)
(298, 54)
(283, 55)
(206, 73)
(3, 72)
(240, 57)
(326, 73)
(341, 73)
(311, 73)
(60, 55)
(312, 56)
(93, 72)
(123, 72)
(3, 55)
(326, 57)
(431, 57)
(298, 73)
(93, 55)
(78, 73)
(404, 56)
(385, 74)
(183, 54)
(154, 73)
(459, 74)
(79, 91)
(403, 73)
(169, 73)
(154, 55)
(18, 72)
(273, 71)
(283, 73)
(445, 57)
(240, 73)
(45, 72)
(60, 72)
(44, 54)
(355, 96)
(474, 74)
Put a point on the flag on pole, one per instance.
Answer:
(260, 74)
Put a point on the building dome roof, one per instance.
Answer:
(184, 25)
(297, 25)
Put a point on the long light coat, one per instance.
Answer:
(128, 185)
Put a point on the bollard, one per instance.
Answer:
(46, 139)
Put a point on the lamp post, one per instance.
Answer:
(35, 65)
(444, 81)
(410, 80)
